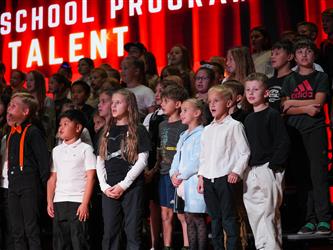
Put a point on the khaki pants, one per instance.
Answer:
(262, 199)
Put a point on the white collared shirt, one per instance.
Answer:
(70, 162)
(3, 166)
(224, 149)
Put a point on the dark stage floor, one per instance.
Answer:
(290, 241)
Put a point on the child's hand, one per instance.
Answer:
(107, 192)
(50, 210)
(116, 191)
(313, 109)
(200, 187)
(286, 105)
(175, 181)
(83, 212)
(233, 177)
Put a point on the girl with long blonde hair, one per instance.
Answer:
(122, 158)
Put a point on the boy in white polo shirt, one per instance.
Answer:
(223, 159)
(70, 185)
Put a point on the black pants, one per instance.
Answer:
(95, 221)
(219, 198)
(315, 144)
(127, 210)
(23, 204)
(6, 239)
(68, 231)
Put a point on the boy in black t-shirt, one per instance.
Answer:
(269, 144)
(281, 58)
(305, 93)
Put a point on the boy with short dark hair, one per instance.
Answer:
(281, 59)
(305, 93)
(28, 168)
(269, 145)
(223, 159)
(169, 131)
(70, 185)
(80, 91)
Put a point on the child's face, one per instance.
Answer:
(257, 39)
(96, 80)
(65, 73)
(83, 67)
(99, 122)
(255, 92)
(17, 111)
(280, 58)
(175, 56)
(79, 96)
(128, 72)
(104, 105)
(53, 85)
(68, 129)
(158, 91)
(15, 79)
(304, 57)
(230, 63)
(31, 82)
(327, 24)
(218, 104)
(189, 113)
(134, 51)
(202, 82)
(304, 30)
(119, 106)
(170, 106)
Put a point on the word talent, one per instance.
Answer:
(97, 45)
(71, 14)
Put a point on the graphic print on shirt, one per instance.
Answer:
(117, 140)
(274, 93)
(164, 142)
(303, 91)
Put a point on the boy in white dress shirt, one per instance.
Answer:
(223, 159)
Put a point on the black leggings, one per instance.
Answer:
(196, 230)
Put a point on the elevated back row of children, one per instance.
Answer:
(200, 168)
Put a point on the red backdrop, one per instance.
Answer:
(206, 31)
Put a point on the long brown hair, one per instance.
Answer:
(39, 89)
(244, 63)
(129, 146)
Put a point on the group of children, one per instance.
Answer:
(223, 152)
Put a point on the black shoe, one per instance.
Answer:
(323, 228)
(308, 228)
